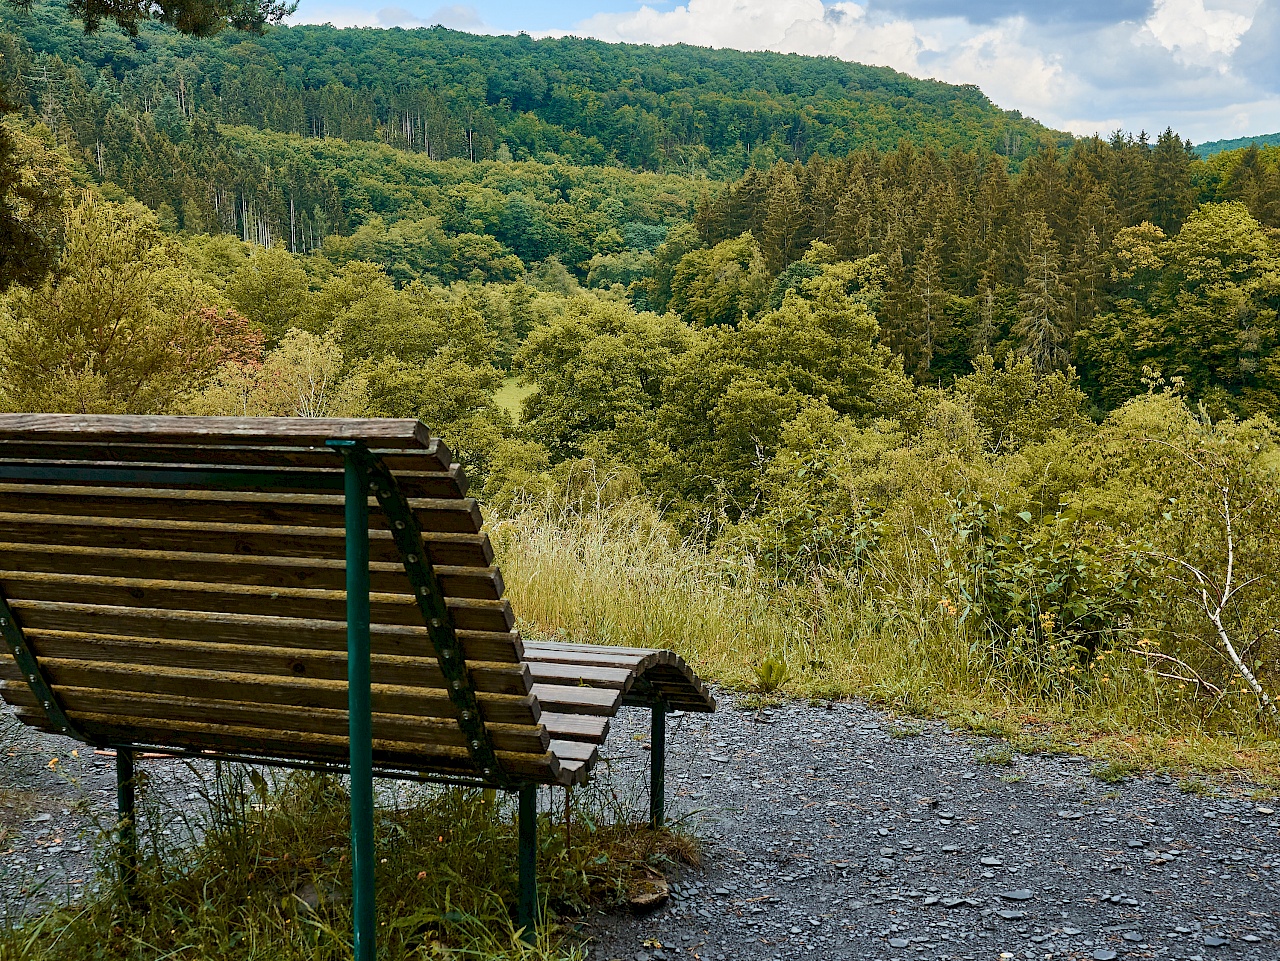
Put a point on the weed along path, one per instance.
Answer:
(836, 833)
(833, 832)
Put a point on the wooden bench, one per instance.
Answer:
(298, 592)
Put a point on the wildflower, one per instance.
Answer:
(53, 764)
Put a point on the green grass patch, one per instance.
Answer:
(1197, 786)
(1114, 772)
(510, 396)
(999, 756)
(269, 879)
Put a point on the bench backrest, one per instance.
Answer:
(165, 609)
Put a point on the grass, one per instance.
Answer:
(1197, 786)
(617, 574)
(1114, 772)
(901, 731)
(268, 879)
(1000, 756)
(510, 396)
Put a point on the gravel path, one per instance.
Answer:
(829, 837)
(835, 832)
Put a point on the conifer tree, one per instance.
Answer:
(1171, 192)
(929, 296)
(784, 221)
(32, 187)
(1042, 328)
(982, 335)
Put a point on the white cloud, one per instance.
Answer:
(789, 26)
(1008, 70)
(1196, 34)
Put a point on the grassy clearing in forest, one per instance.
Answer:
(268, 881)
(613, 575)
(511, 395)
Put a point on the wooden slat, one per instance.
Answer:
(298, 633)
(479, 583)
(454, 516)
(476, 615)
(567, 654)
(497, 646)
(428, 460)
(388, 432)
(464, 550)
(574, 646)
(574, 772)
(615, 678)
(545, 769)
(583, 751)
(576, 727)
(398, 609)
(181, 596)
(412, 485)
(660, 672)
(577, 700)
(79, 702)
(296, 693)
(489, 678)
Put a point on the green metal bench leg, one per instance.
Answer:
(359, 719)
(658, 768)
(127, 821)
(527, 909)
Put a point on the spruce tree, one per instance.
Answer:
(929, 298)
(784, 222)
(1172, 196)
(1042, 329)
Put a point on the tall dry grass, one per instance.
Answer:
(615, 573)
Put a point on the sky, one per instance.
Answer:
(1208, 68)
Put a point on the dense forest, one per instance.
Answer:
(890, 376)
(836, 382)
(1093, 258)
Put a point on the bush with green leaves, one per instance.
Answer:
(1048, 597)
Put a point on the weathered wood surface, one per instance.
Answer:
(169, 614)
(450, 516)
(250, 540)
(471, 582)
(198, 431)
(637, 672)
(303, 694)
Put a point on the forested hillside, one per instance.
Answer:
(449, 94)
(914, 396)
(1207, 150)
